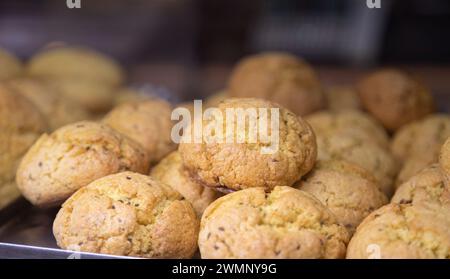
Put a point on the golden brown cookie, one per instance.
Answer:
(403, 231)
(394, 98)
(234, 165)
(21, 124)
(76, 63)
(128, 94)
(72, 157)
(171, 172)
(372, 157)
(57, 110)
(278, 77)
(414, 165)
(286, 224)
(341, 97)
(128, 214)
(215, 99)
(349, 191)
(350, 122)
(424, 187)
(146, 122)
(10, 66)
(444, 161)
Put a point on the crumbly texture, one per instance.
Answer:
(341, 97)
(424, 187)
(349, 191)
(403, 231)
(372, 157)
(172, 172)
(278, 77)
(421, 137)
(215, 99)
(394, 98)
(76, 63)
(353, 123)
(444, 161)
(148, 123)
(128, 214)
(10, 66)
(286, 224)
(20, 124)
(234, 165)
(57, 110)
(72, 157)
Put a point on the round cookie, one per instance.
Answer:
(424, 187)
(72, 157)
(394, 98)
(76, 63)
(127, 94)
(349, 191)
(215, 99)
(278, 77)
(414, 165)
(403, 231)
(236, 164)
(352, 123)
(57, 110)
(10, 66)
(128, 214)
(444, 160)
(372, 157)
(341, 98)
(148, 123)
(171, 172)
(286, 224)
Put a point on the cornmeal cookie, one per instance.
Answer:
(349, 191)
(394, 98)
(341, 97)
(148, 123)
(350, 122)
(21, 124)
(426, 186)
(244, 162)
(414, 165)
(76, 63)
(128, 214)
(72, 157)
(444, 161)
(57, 110)
(215, 99)
(10, 66)
(127, 95)
(278, 77)
(171, 172)
(372, 157)
(403, 231)
(286, 223)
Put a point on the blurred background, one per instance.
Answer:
(189, 46)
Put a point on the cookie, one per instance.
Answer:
(341, 97)
(444, 161)
(403, 231)
(424, 187)
(21, 124)
(171, 171)
(353, 123)
(394, 98)
(278, 77)
(77, 64)
(372, 157)
(57, 110)
(73, 156)
(240, 163)
(215, 99)
(10, 66)
(128, 214)
(286, 224)
(349, 191)
(126, 95)
(148, 123)
(414, 165)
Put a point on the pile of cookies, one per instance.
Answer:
(360, 171)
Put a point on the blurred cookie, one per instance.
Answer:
(127, 95)
(341, 98)
(240, 160)
(414, 165)
(72, 157)
(215, 99)
(171, 172)
(128, 214)
(286, 223)
(278, 77)
(444, 161)
(349, 191)
(10, 66)
(394, 98)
